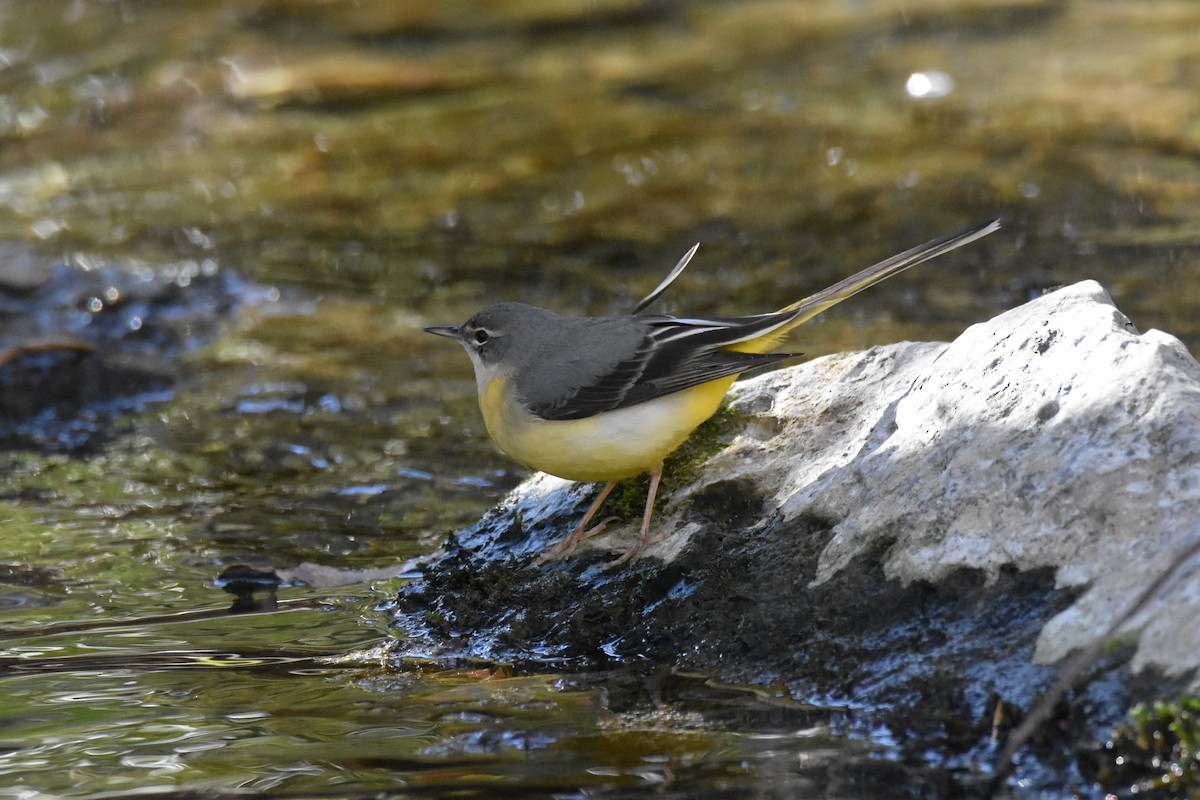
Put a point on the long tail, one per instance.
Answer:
(801, 311)
(809, 307)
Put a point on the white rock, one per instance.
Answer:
(1053, 435)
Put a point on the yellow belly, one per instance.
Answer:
(616, 444)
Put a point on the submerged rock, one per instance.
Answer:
(918, 530)
(82, 343)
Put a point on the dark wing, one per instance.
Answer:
(675, 354)
(636, 359)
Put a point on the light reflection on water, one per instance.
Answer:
(308, 723)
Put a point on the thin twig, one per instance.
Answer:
(1081, 661)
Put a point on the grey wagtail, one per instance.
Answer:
(606, 398)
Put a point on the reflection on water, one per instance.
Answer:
(346, 172)
(317, 721)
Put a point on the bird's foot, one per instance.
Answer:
(566, 548)
(628, 555)
(636, 550)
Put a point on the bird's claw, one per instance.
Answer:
(566, 548)
(629, 554)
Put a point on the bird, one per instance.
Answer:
(601, 399)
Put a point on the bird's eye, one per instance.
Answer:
(482, 336)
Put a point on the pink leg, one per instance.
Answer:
(567, 546)
(644, 539)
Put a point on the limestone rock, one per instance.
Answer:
(1052, 436)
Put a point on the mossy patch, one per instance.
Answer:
(628, 498)
(1155, 752)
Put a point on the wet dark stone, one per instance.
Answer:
(927, 661)
(244, 582)
(83, 345)
(729, 504)
(25, 586)
(63, 378)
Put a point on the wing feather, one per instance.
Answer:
(636, 359)
(674, 355)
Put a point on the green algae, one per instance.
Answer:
(1155, 752)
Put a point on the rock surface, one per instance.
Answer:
(84, 342)
(919, 530)
(1052, 436)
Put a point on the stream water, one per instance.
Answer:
(253, 207)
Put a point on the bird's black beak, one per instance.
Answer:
(449, 331)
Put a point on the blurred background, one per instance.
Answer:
(247, 210)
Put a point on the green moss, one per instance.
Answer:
(1156, 753)
(709, 439)
(628, 498)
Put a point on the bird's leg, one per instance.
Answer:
(567, 546)
(644, 539)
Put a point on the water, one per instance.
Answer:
(355, 171)
(209, 705)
